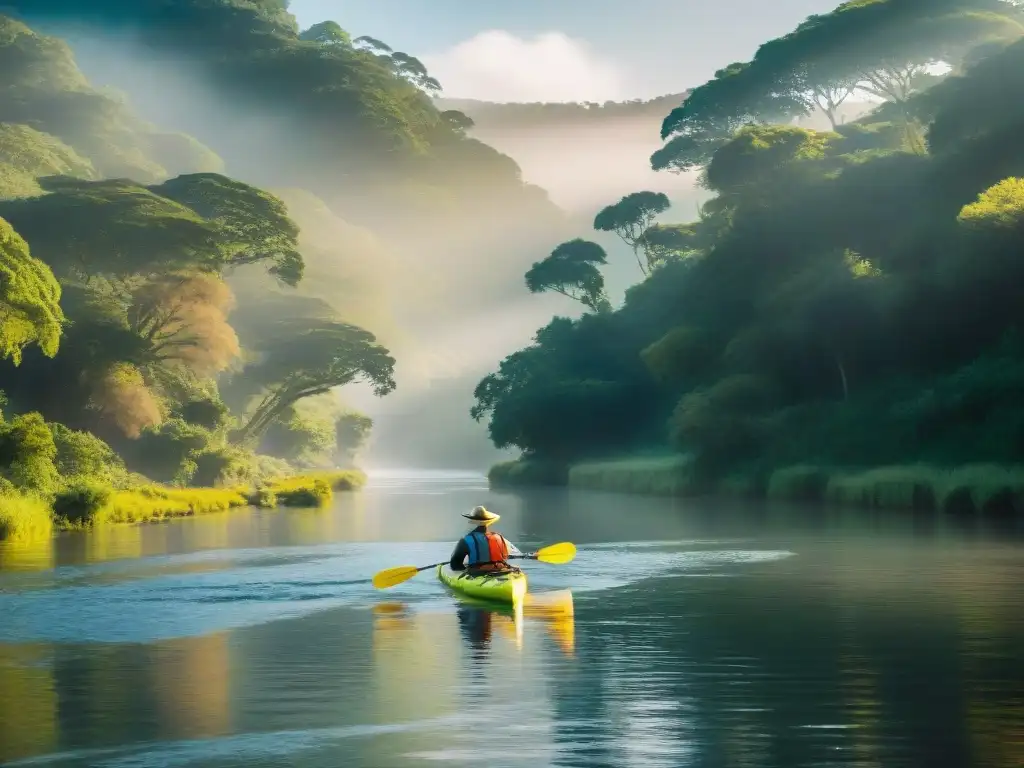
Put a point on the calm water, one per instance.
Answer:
(700, 635)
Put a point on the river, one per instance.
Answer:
(700, 634)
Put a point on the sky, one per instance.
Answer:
(567, 50)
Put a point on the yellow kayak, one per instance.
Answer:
(509, 588)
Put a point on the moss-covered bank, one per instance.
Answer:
(977, 488)
(82, 504)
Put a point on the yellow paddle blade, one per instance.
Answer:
(559, 554)
(393, 576)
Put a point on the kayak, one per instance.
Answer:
(509, 588)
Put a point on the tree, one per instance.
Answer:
(572, 270)
(351, 431)
(630, 218)
(880, 48)
(762, 158)
(738, 95)
(326, 33)
(113, 227)
(183, 318)
(203, 222)
(254, 225)
(122, 394)
(669, 241)
(413, 70)
(373, 44)
(306, 358)
(30, 310)
(459, 121)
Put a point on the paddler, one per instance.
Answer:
(482, 550)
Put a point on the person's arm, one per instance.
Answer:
(512, 548)
(459, 555)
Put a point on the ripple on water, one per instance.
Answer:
(155, 600)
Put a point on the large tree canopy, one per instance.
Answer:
(120, 228)
(573, 270)
(881, 49)
(30, 310)
(630, 218)
(306, 359)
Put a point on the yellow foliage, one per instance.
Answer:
(24, 518)
(155, 502)
(998, 207)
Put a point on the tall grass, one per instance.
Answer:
(649, 476)
(978, 488)
(521, 473)
(24, 518)
(156, 503)
(315, 489)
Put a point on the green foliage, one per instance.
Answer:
(28, 454)
(168, 453)
(573, 270)
(681, 355)
(80, 502)
(649, 476)
(42, 89)
(254, 225)
(326, 33)
(204, 412)
(27, 154)
(121, 228)
(758, 155)
(29, 299)
(82, 454)
(299, 439)
(999, 207)
(879, 49)
(525, 473)
(630, 218)
(307, 357)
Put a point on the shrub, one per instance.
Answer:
(82, 454)
(304, 493)
(80, 502)
(27, 454)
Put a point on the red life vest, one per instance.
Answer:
(486, 549)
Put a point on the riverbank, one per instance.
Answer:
(970, 489)
(86, 504)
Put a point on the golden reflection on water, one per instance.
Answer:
(192, 681)
(28, 701)
(26, 556)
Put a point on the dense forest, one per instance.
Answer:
(847, 298)
(163, 321)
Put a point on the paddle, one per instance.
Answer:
(558, 554)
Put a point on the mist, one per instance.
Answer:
(446, 296)
(444, 291)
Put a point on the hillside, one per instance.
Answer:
(844, 300)
(350, 125)
(134, 348)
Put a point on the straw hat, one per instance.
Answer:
(482, 516)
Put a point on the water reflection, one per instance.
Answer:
(681, 636)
